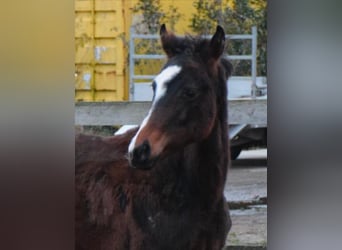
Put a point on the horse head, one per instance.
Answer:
(184, 106)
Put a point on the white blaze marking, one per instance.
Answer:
(161, 80)
(132, 144)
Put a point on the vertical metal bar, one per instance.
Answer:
(131, 64)
(254, 60)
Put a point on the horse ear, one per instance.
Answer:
(163, 30)
(217, 43)
(168, 41)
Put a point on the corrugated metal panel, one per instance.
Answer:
(100, 51)
(100, 27)
(100, 60)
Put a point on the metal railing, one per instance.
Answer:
(133, 56)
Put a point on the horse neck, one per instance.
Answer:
(213, 157)
(199, 170)
(217, 142)
(208, 159)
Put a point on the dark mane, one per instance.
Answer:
(199, 48)
(188, 45)
(180, 45)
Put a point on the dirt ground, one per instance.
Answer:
(246, 192)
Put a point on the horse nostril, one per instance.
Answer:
(146, 147)
(141, 154)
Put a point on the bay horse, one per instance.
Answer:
(160, 186)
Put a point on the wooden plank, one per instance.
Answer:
(240, 111)
(247, 111)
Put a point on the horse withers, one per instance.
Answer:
(160, 186)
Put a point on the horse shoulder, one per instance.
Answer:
(101, 172)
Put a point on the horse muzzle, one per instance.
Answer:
(140, 157)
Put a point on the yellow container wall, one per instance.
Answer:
(100, 56)
(101, 42)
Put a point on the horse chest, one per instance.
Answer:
(164, 227)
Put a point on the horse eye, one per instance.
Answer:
(189, 93)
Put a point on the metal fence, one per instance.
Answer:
(133, 57)
(241, 111)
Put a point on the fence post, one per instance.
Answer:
(254, 60)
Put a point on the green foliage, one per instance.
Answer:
(152, 16)
(235, 20)
(238, 19)
(172, 16)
